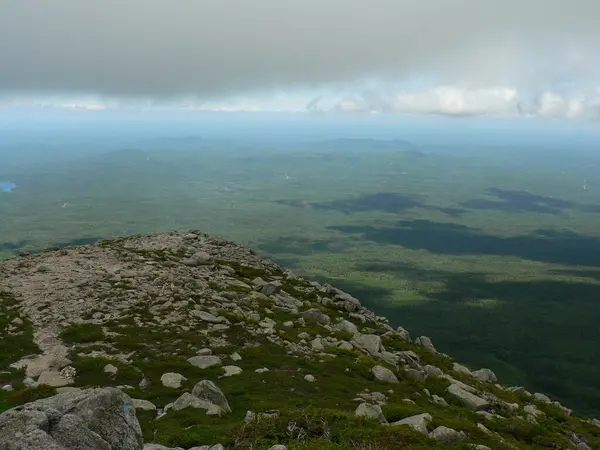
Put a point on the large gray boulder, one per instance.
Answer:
(209, 391)
(418, 423)
(370, 343)
(485, 376)
(90, 419)
(469, 400)
(371, 412)
(447, 435)
(384, 374)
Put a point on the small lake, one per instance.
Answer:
(7, 186)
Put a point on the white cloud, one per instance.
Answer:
(458, 101)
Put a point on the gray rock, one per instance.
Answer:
(209, 391)
(187, 400)
(469, 400)
(309, 378)
(371, 343)
(403, 334)
(278, 447)
(235, 357)
(418, 423)
(143, 405)
(424, 341)
(533, 410)
(35, 365)
(459, 368)
(270, 288)
(110, 369)
(414, 374)
(439, 400)
(208, 317)
(390, 358)
(485, 376)
(172, 380)
(71, 432)
(315, 315)
(432, 370)
(542, 398)
(267, 322)
(204, 362)
(231, 371)
(54, 379)
(371, 412)
(348, 327)
(384, 374)
(447, 435)
(350, 303)
(345, 345)
(317, 344)
(102, 418)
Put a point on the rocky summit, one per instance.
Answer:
(184, 340)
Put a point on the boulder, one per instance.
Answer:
(371, 412)
(447, 435)
(370, 343)
(231, 371)
(347, 326)
(100, 418)
(110, 369)
(485, 376)
(172, 380)
(315, 315)
(403, 334)
(278, 447)
(425, 342)
(187, 400)
(204, 362)
(542, 398)
(269, 288)
(209, 391)
(143, 405)
(469, 400)
(384, 374)
(459, 368)
(309, 378)
(418, 423)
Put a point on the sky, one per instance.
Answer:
(515, 58)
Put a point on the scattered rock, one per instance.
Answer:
(204, 362)
(469, 400)
(371, 412)
(231, 371)
(485, 376)
(110, 369)
(209, 391)
(172, 380)
(371, 343)
(309, 378)
(418, 423)
(384, 374)
(459, 368)
(315, 315)
(447, 435)
(424, 341)
(144, 405)
(542, 398)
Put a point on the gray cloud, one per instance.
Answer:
(160, 48)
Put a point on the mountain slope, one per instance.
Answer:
(293, 362)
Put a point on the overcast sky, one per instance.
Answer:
(509, 57)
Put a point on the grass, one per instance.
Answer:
(492, 254)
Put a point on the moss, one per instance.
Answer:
(14, 346)
(82, 333)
